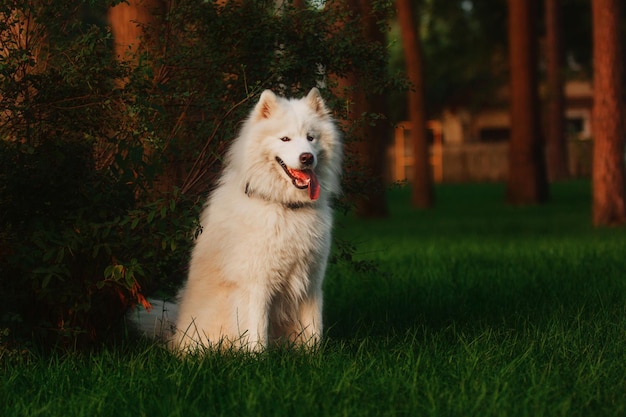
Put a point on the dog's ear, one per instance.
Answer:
(266, 105)
(316, 102)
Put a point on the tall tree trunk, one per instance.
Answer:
(556, 141)
(422, 183)
(527, 182)
(370, 136)
(608, 125)
(376, 131)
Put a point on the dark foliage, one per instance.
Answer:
(104, 163)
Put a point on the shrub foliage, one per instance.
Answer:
(103, 162)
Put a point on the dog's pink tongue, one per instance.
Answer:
(307, 177)
(314, 186)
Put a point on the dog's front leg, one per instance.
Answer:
(252, 320)
(308, 328)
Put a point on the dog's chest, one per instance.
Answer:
(289, 243)
(297, 233)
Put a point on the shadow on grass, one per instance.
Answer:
(474, 262)
(383, 305)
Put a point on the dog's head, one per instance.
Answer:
(289, 150)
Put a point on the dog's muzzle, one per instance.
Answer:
(303, 178)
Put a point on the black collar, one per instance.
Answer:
(290, 205)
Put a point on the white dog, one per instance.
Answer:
(256, 270)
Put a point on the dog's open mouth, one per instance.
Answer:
(302, 179)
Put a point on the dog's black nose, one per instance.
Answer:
(307, 159)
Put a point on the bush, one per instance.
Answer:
(103, 163)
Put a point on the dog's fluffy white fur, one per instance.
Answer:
(256, 270)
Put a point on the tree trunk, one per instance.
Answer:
(126, 20)
(608, 125)
(376, 131)
(527, 183)
(369, 143)
(422, 183)
(556, 141)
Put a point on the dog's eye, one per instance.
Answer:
(285, 138)
(310, 138)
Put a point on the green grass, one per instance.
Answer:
(473, 309)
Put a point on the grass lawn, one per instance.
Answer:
(473, 308)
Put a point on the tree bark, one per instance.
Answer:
(556, 141)
(369, 143)
(608, 125)
(527, 182)
(375, 132)
(422, 183)
(126, 20)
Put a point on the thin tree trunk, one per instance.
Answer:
(527, 183)
(556, 141)
(608, 125)
(422, 183)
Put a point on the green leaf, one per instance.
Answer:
(45, 281)
(60, 255)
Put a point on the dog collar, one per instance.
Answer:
(291, 205)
